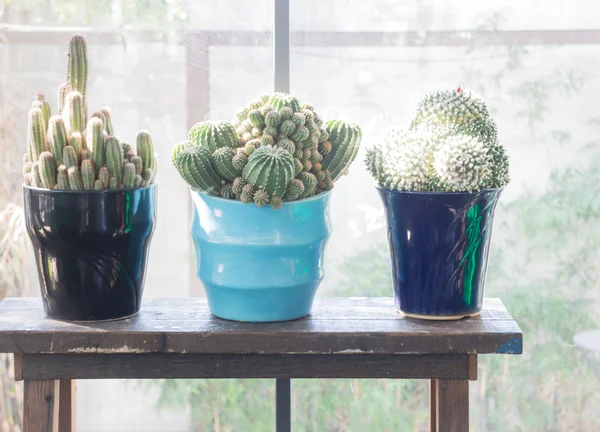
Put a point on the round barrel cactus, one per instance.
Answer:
(271, 169)
(213, 135)
(345, 141)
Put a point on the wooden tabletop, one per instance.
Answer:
(185, 326)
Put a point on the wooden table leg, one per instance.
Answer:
(40, 406)
(450, 405)
(66, 409)
(433, 405)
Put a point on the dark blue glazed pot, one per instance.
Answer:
(91, 249)
(439, 244)
(258, 264)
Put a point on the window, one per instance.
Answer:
(164, 66)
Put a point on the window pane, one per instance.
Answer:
(355, 60)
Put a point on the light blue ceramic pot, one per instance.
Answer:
(258, 264)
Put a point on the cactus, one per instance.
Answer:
(261, 197)
(136, 160)
(36, 134)
(451, 146)
(62, 178)
(239, 162)
(148, 176)
(113, 183)
(100, 115)
(69, 157)
(345, 141)
(310, 183)
(223, 162)
(98, 185)
(108, 127)
(75, 182)
(104, 177)
(247, 195)
(276, 203)
(195, 165)
(58, 137)
(63, 90)
(85, 154)
(128, 176)
(294, 190)
(145, 149)
(76, 141)
(36, 180)
(73, 112)
(88, 174)
(227, 191)
(271, 168)
(42, 104)
(78, 68)
(114, 159)
(213, 135)
(237, 186)
(47, 170)
(281, 100)
(95, 142)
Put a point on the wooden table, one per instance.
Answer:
(178, 338)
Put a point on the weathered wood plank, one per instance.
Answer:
(124, 366)
(452, 403)
(336, 326)
(40, 406)
(67, 406)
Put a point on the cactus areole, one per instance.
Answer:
(277, 150)
(69, 151)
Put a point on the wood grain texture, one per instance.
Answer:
(67, 406)
(336, 326)
(156, 365)
(433, 405)
(452, 404)
(40, 406)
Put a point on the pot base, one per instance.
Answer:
(439, 317)
(93, 321)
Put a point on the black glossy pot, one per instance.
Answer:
(91, 249)
(439, 244)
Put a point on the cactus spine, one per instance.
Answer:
(104, 177)
(62, 178)
(145, 149)
(78, 69)
(74, 112)
(36, 134)
(41, 103)
(128, 176)
(213, 135)
(47, 170)
(223, 158)
(75, 182)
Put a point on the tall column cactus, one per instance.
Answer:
(68, 151)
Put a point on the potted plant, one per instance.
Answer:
(261, 194)
(440, 181)
(90, 204)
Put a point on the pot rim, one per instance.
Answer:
(438, 192)
(86, 191)
(285, 203)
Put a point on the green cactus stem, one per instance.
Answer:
(100, 115)
(261, 197)
(85, 154)
(237, 186)
(227, 191)
(113, 183)
(195, 165)
(310, 183)
(281, 100)
(137, 161)
(128, 176)
(47, 170)
(145, 149)
(95, 142)
(114, 158)
(76, 141)
(104, 177)
(239, 161)
(63, 90)
(69, 158)
(126, 148)
(98, 185)
(345, 141)
(223, 161)
(58, 137)
(276, 202)
(74, 112)
(62, 178)
(26, 168)
(108, 126)
(43, 104)
(36, 134)
(247, 195)
(213, 135)
(75, 182)
(88, 174)
(137, 180)
(148, 176)
(78, 67)
(36, 180)
(271, 168)
(294, 190)
(256, 118)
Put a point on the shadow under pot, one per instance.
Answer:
(91, 249)
(439, 245)
(258, 264)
